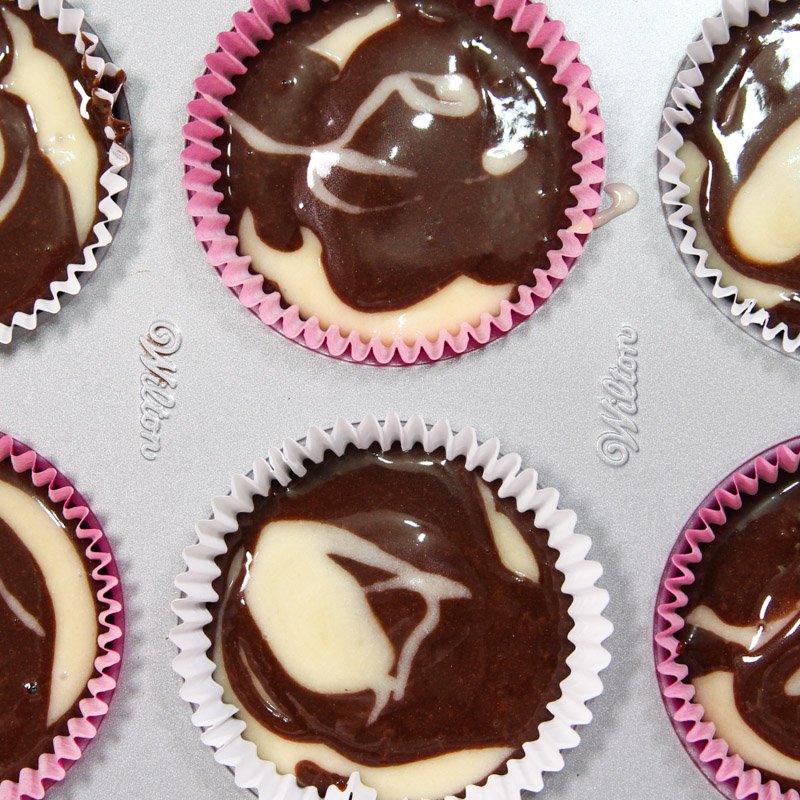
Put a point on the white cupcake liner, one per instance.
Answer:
(220, 728)
(683, 97)
(71, 22)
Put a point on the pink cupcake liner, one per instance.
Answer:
(724, 769)
(217, 720)
(206, 109)
(66, 750)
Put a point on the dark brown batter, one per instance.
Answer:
(484, 676)
(754, 557)
(451, 218)
(749, 98)
(38, 238)
(27, 660)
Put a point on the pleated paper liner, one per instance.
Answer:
(113, 180)
(217, 721)
(681, 106)
(67, 749)
(724, 769)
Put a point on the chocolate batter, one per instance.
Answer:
(447, 216)
(749, 98)
(27, 660)
(38, 238)
(751, 573)
(482, 678)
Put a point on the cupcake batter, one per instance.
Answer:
(388, 613)
(52, 143)
(742, 157)
(742, 636)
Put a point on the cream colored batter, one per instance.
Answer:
(715, 691)
(624, 198)
(750, 637)
(514, 552)
(20, 612)
(11, 197)
(342, 42)
(429, 778)
(763, 217)
(304, 603)
(303, 282)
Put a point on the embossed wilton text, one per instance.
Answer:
(157, 382)
(619, 405)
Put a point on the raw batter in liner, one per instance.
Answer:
(742, 636)
(388, 613)
(397, 168)
(52, 146)
(742, 157)
(48, 624)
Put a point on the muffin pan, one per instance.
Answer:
(708, 399)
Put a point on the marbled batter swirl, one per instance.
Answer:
(397, 167)
(52, 145)
(48, 624)
(742, 153)
(742, 636)
(388, 612)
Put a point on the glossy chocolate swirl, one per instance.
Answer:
(44, 670)
(742, 635)
(426, 547)
(439, 148)
(749, 123)
(40, 231)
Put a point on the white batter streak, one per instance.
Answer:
(751, 637)
(763, 220)
(514, 552)
(11, 197)
(624, 198)
(429, 778)
(19, 611)
(715, 691)
(305, 603)
(454, 96)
